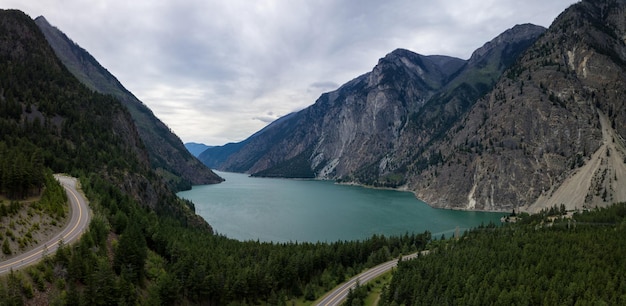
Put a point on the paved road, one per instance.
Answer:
(339, 294)
(79, 221)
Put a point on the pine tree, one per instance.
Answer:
(131, 253)
(6, 248)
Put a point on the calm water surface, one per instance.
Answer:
(283, 210)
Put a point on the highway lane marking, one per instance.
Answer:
(80, 212)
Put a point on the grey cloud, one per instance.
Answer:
(265, 118)
(323, 86)
(229, 61)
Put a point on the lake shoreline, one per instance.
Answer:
(405, 189)
(282, 210)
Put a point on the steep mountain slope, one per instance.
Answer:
(166, 151)
(216, 156)
(477, 78)
(348, 128)
(552, 130)
(74, 130)
(372, 129)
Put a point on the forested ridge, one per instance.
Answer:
(577, 261)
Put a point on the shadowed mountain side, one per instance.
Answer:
(168, 156)
(196, 148)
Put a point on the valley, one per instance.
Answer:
(503, 130)
(532, 126)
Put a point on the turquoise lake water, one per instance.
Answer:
(282, 210)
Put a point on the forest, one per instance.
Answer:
(21, 171)
(131, 255)
(577, 261)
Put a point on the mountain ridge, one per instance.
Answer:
(525, 144)
(348, 133)
(178, 168)
(196, 148)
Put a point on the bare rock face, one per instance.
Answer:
(350, 128)
(370, 130)
(551, 131)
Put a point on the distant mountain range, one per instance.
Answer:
(196, 148)
(167, 154)
(521, 124)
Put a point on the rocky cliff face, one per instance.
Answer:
(168, 156)
(552, 130)
(349, 128)
(370, 130)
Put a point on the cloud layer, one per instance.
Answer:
(218, 71)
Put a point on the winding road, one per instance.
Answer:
(339, 294)
(77, 225)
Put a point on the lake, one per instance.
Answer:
(283, 210)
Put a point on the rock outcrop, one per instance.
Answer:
(552, 130)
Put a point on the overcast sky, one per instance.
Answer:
(218, 71)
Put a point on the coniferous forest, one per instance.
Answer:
(577, 261)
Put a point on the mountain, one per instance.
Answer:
(143, 245)
(372, 129)
(46, 113)
(535, 118)
(551, 131)
(346, 128)
(215, 156)
(167, 154)
(196, 148)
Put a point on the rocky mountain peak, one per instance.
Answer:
(402, 63)
(510, 39)
(370, 129)
(535, 117)
(42, 19)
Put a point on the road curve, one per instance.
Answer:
(339, 294)
(77, 225)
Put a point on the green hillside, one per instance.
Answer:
(166, 152)
(572, 261)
